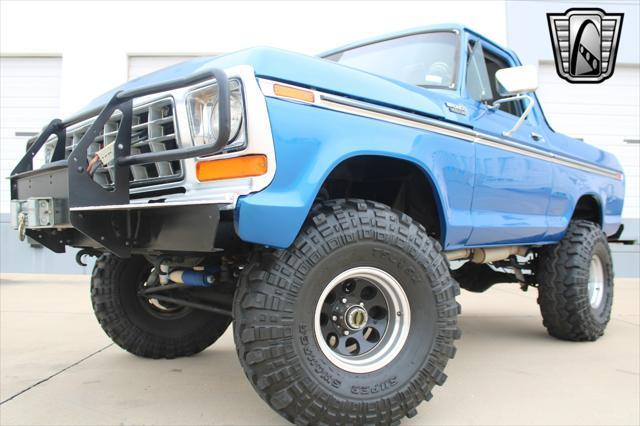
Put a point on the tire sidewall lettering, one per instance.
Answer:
(318, 367)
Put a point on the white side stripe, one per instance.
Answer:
(365, 109)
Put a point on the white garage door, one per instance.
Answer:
(29, 99)
(605, 115)
(141, 65)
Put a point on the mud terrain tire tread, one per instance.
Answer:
(562, 273)
(109, 275)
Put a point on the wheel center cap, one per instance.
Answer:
(356, 317)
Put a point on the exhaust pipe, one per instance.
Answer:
(486, 255)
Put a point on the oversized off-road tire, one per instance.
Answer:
(576, 283)
(359, 267)
(143, 328)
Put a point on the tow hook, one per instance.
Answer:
(86, 252)
(22, 225)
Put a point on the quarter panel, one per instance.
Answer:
(310, 142)
(569, 186)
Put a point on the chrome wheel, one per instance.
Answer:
(596, 282)
(362, 319)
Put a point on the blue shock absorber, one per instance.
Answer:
(203, 278)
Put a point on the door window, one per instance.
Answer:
(481, 77)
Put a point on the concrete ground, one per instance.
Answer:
(58, 367)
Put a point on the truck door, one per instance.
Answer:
(512, 188)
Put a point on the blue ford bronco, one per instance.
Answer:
(330, 207)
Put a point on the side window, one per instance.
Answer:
(481, 77)
(495, 63)
(477, 80)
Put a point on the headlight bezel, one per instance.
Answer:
(238, 137)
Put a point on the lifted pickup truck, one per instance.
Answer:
(316, 202)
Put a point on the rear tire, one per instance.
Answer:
(139, 327)
(284, 315)
(576, 283)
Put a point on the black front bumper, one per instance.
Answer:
(103, 218)
(121, 229)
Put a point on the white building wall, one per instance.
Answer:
(29, 97)
(95, 38)
(139, 65)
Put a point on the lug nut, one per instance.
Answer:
(334, 318)
(346, 332)
(362, 304)
(344, 300)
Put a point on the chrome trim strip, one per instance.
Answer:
(394, 116)
(365, 109)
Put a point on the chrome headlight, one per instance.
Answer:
(202, 106)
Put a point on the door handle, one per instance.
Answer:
(537, 137)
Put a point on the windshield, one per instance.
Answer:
(426, 60)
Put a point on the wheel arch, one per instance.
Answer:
(589, 207)
(391, 167)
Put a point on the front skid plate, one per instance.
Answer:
(182, 228)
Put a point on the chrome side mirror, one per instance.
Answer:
(516, 80)
(514, 83)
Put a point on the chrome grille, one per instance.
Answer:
(153, 129)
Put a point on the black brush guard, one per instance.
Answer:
(120, 229)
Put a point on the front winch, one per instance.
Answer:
(39, 212)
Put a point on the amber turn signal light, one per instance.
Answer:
(231, 168)
(293, 93)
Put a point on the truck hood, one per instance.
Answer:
(307, 71)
